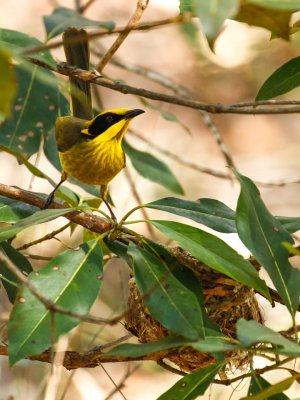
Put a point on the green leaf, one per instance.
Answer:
(62, 18)
(153, 169)
(118, 248)
(251, 332)
(70, 280)
(139, 350)
(35, 110)
(37, 218)
(293, 5)
(12, 211)
(291, 224)
(213, 343)
(258, 384)
(37, 101)
(263, 235)
(192, 385)
(274, 391)
(276, 21)
(20, 262)
(16, 42)
(212, 213)
(212, 14)
(170, 302)
(8, 83)
(213, 252)
(284, 79)
(186, 6)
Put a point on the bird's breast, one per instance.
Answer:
(94, 162)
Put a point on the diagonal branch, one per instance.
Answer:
(140, 8)
(89, 221)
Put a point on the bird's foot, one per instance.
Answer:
(48, 201)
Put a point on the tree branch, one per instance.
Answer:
(89, 221)
(101, 33)
(91, 359)
(215, 108)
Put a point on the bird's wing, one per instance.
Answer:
(68, 132)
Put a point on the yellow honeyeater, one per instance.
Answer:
(91, 151)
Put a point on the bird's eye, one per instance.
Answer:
(109, 119)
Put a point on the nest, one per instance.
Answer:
(226, 301)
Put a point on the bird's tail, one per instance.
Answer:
(76, 46)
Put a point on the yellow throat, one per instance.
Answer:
(91, 151)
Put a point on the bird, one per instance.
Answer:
(91, 150)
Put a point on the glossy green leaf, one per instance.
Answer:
(62, 18)
(20, 262)
(258, 384)
(168, 300)
(293, 5)
(37, 101)
(212, 213)
(70, 280)
(12, 211)
(139, 350)
(192, 385)
(213, 252)
(37, 218)
(153, 169)
(35, 110)
(291, 224)
(274, 391)
(182, 274)
(8, 83)
(251, 332)
(284, 79)
(17, 42)
(276, 21)
(212, 14)
(118, 248)
(263, 235)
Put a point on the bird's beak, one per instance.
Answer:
(133, 113)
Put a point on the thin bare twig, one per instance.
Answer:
(175, 157)
(258, 371)
(122, 382)
(84, 7)
(207, 170)
(117, 388)
(139, 201)
(38, 257)
(140, 8)
(107, 32)
(49, 236)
